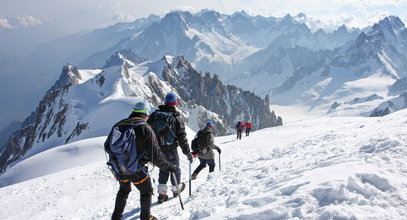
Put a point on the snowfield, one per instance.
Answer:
(320, 168)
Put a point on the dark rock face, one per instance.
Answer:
(390, 106)
(380, 112)
(51, 122)
(48, 119)
(399, 85)
(231, 103)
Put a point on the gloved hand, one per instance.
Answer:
(172, 168)
(190, 157)
(219, 150)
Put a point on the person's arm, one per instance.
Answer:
(182, 136)
(151, 148)
(211, 142)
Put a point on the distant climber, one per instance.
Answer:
(248, 126)
(239, 129)
(206, 155)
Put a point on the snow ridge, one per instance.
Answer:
(326, 168)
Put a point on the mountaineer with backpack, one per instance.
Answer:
(131, 144)
(203, 146)
(169, 127)
(248, 126)
(239, 129)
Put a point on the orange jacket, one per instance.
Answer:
(248, 125)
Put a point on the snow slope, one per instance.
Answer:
(321, 168)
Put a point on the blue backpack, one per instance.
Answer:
(121, 147)
(163, 124)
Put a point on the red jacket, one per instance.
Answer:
(248, 125)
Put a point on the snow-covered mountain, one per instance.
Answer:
(216, 42)
(328, 80)
(326, 168)
(86, 103)
(211, 41)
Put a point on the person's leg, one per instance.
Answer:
(211, 164)
(202, 165)
(174, 160)
(181, 186)
(163, 174)
(162, 184)
(121, 199)
(146, 191)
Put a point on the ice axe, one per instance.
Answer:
(179, 193)
(190, 179)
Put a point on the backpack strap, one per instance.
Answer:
(131, 122)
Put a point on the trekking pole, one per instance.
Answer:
(190, 179)
(179, 193)
(219, 163)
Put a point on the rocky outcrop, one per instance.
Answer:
(392, 105)
(231, 103)
(399, 86)
(47, 120)
(67, 111)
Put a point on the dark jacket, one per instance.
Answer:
(147, 144)
(181, 135)
(239, 126)
(209, 141)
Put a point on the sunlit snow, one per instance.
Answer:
(321, 168)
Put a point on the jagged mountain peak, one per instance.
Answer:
(70, 113)
(241, 13)
(287, 18)
(178, 62)
(342, 29)
(301, 16)
(390, 23)
(120, 56)
(386, 30)
(208, 12)
(178, 16)
(69, 76)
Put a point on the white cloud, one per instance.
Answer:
(5, 24)
(121, 17)
(28, 21)
(384, 2)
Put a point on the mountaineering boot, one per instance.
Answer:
(193, 176)
(162, 198)
(152, 218)
(116, 216)
(181, 188)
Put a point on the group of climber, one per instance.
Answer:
(143, 138)
(240, 126)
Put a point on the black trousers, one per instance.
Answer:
(163, 175)
(146, 191)
(202, 164)
(239, 134)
